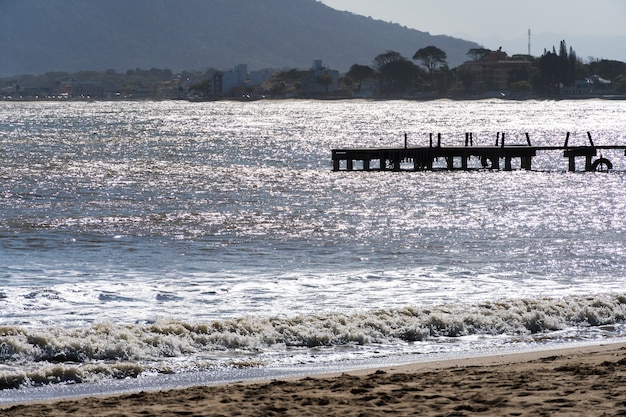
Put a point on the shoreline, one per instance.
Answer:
(583, 380)
(425, 99)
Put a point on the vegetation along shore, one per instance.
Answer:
(426, 75)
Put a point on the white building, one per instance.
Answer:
(259, 77)
(592, 86)
(234, 79)
(320, 79)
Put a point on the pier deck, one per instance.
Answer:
(422, 158)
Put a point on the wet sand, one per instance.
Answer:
(584, 381)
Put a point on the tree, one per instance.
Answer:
(287, 81)
(478, 54)
(202, 88)
(556, 70)
(360, 72)
(445, 78)
(399, 76)
(431, 57)
(387, 58)
(292, 75)
(547, 79)
(611, 70)
(325, 81)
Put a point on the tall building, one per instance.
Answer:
(319, 79)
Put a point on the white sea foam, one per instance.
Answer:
(108, 350)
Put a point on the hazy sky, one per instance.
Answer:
(494, 23)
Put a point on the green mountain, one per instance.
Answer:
(37, 36)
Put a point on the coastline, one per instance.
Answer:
(583, 380)
(425, 99)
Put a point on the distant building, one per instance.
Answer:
(592, 86)
(319, 79)
(169, 89)
(234, 79)
(495, 72)
(238, 80)
(14, 91)
(257, 78)
(367, 88)
(9, 90)
(81, 89)
(205, 88)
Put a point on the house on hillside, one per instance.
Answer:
(495, 72)
(319, 79)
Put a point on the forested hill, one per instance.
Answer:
(38, 36)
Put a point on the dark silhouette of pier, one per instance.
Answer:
(496, 157)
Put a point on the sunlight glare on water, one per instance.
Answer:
(227, 219)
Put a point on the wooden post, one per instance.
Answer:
(366, 165)
(429, 160)
(502, 144)
(495, 161)
(528, 139)
(335, 164)
(566, 140)
(507, 163)
(526, 162)
(439, 140)
(588, 162)
(572, 163)
(431, 140)
(349, 164)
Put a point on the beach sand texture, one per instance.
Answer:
(584, 381)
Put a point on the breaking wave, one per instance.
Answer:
(33, 356)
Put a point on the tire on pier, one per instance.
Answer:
(487, 162)
(601, 165)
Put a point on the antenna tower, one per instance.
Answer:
(528, 42)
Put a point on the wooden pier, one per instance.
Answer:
(496, 157)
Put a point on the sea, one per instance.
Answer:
(151, 244)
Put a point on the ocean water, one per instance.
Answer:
(153, 241)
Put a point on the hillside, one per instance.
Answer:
(38, 36)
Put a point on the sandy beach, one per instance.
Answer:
(584, 381)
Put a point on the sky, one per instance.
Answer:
(591, 28)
